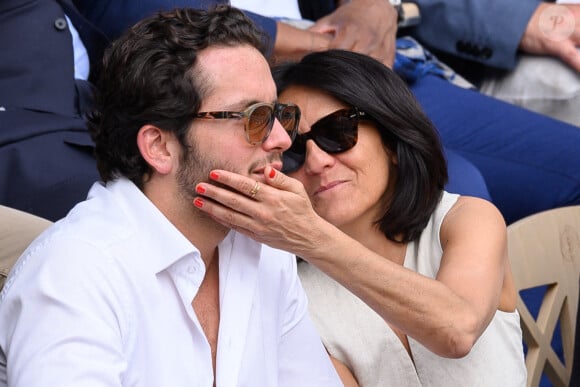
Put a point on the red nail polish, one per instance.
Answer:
(272, 173)
(214, 175)
(200, 189)
(198, 202)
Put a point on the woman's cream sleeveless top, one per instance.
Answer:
(356, 335)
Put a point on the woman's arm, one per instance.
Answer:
(446, 314)
(344, 372)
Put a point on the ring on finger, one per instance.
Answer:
(255, 190)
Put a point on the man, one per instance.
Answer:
(135, 286)
(50, 52)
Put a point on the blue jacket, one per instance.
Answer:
(45, 150)
(37, 75)
(487, 32)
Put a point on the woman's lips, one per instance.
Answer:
(328, 186)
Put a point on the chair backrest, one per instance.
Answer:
(544, 251)
(17, 230)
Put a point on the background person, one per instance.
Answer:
(46, 161)
(523, 52)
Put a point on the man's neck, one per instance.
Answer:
(201, 230)
(205, 234)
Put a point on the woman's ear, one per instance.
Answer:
(156, 147)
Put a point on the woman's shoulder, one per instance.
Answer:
(466, 207)
(471, 215)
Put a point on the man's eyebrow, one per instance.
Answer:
(243, 104)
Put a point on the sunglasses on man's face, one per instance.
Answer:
(334, 133)
(259, 119)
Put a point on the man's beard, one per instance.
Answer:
(194, 169)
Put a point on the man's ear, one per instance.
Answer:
(157, 148)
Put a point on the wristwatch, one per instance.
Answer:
(407, 13)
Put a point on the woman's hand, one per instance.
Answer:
(276, 211)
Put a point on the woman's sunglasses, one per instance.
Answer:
(334, 133)
(259, 119)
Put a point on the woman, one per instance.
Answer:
(408, 284)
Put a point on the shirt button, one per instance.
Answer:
(60, 24)
(191, 269)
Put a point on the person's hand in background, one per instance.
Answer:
(292, 43)
(554, 30)
(364, 26)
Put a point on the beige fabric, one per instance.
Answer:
(356, 335)
(542, 84)
(17, 230)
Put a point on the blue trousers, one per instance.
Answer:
(529, 162)
(464, 177)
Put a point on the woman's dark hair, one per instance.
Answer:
(148, 77)
(361, 81)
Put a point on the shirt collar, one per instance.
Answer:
(157, 241)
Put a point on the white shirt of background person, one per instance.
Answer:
(82, 66)
(282, 8)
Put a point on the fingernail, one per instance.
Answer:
(198, 202)
(200, 189)
(272, 173)
(214, 175)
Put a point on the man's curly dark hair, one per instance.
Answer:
(149, 77)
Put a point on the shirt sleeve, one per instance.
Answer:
(62, 319)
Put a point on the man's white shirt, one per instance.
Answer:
(103, 297)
